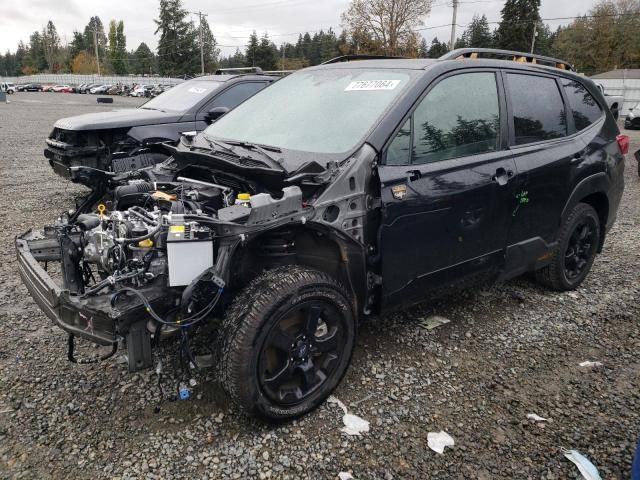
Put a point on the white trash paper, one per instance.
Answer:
(586, 468)
(536, 418)
(345, 476)
(437, 441)
(589, 363)
(353, 424)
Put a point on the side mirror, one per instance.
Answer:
(215, 113)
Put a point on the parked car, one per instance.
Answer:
(614, 102)
(61, 89)
(122, 140)
(47, 88)
(8, 87)
(141, 91)
(21, 87)
(33, 87)
(342, 191)
(77, 88)
(632, 120)
(100, 89)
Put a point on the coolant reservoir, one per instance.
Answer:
(243, 199)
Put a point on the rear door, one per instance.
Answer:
(546, 149)
(447, 188)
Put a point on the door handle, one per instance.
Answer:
(413, 175)
(502, 176)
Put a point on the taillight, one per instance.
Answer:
(623, 143)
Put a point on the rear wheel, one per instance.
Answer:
(575, 252)
(287, 342)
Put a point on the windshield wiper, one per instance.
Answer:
(260, 149)
(217, 144)
(150, 108)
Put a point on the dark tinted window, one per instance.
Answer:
(235, 95)
(460, 116)
(585, 108)
(538, 111)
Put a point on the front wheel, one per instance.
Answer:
(287, 342)
(575, 252)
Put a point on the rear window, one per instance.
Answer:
(584, 107)
(538, 109)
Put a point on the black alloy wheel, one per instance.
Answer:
(301, 351)
(286, 342)
(575, 250)
(580, 248)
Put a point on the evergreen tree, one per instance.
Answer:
(251, 52)
(519, 17)
(37, 61)
(267, 54)
(143, 60)
(177, 47)
(478, 34)
(437, 49)
(211, 51)
(51, 47)
(423, 49)
(95, 24)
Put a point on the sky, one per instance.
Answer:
(232, 22)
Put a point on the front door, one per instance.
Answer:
(447, 196)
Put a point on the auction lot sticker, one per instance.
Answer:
(372, 85)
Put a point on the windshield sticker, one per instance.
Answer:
(372, 85)
(197, 90)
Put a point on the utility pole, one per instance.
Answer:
(453, 25)
(200, 15)
(95, 43)
(535, 34)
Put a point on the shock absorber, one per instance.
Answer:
(278, 247)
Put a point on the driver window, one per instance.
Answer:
(460, 116)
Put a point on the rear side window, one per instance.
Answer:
(584, 107)
(538, 109)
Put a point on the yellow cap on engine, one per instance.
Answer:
(244, 196)
(146, 243)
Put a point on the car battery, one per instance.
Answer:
(189, 253)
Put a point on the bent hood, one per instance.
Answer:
(128, 117)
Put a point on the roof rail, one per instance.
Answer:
(282, 73)
(349, 58)
(521, 57)
(222, 71)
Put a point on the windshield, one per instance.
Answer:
(320, 111)
(183, 96)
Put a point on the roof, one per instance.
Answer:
(628, 73)
(402, 63)
(226, 77)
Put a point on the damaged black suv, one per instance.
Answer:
(128, 138)
(341, 191)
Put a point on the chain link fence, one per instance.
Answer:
(74, 79)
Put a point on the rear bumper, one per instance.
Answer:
(91, 318)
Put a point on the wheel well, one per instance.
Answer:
(600, 204)
(315, 248)
(614, 105)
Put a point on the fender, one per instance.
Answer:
(596, 183)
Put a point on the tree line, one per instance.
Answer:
(604, 38)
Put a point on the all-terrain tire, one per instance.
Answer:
(254, 313)
(555, 275)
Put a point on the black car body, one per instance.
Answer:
(33, 87)
(341, 191)
(119, 140)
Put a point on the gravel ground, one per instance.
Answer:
(508, 351)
